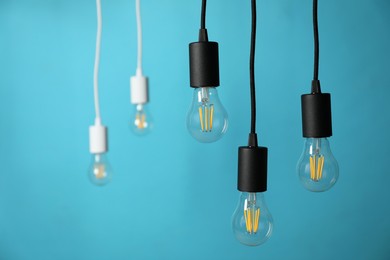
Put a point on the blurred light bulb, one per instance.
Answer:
(207, 120)
(252, 222)
(317, 168)
(141, 121)
(99, 171)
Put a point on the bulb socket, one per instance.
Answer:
(204, 64)
(139, 91)
(97, 139)
(252, 169)
(316, 115)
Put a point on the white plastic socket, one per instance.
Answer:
(139, 89)
(97, 139)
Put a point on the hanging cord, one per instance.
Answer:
(139, 36)
(252, 136)
(252, 69)
(203, 16)
(97, 61)
(203, 37)
(315, 87)
(316, 41)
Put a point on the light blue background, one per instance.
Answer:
(171, 197)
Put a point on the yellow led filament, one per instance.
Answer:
(206, 121)
(252, 218)
(316, 166)
(140, 121)
(99, 171)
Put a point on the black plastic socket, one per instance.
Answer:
(252, 169)
(204, 64)
(316, 115)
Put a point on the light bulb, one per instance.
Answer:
(141, 121)
(252, 222)
(317, 168)
(207, 120)
(99, 172)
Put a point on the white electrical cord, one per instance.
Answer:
(139, 83)
(139, 35)
(97, 61)
(97, 132)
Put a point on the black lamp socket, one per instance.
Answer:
(204, 64)
(252, 169)
(316, 115)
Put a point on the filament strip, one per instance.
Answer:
(201, 118)
(206, 118)
(211, 116)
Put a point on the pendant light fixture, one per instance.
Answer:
(207, 120)
(141, 122)
(317, 168)
(252, 222)
(99, 172)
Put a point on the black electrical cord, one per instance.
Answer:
(203, 37)
(252, 77)
(203, 16)
(316, 41)
(316, 83)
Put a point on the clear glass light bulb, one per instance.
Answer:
(99, 171)
(252, 222)
(318, 170)
(207, 120)
(141, 121)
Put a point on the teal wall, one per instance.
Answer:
(171, 197)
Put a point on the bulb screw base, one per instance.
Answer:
(316, 115)
(204, 62)
(252, 169)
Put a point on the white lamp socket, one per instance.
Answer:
(139, 89)
(97, 139)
